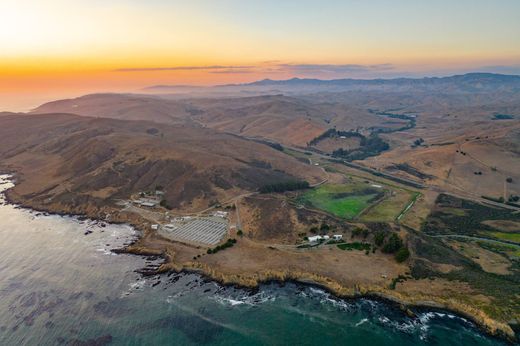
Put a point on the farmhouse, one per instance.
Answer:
(222, 214)
(146, 202)
(315, 238)
(337, 236)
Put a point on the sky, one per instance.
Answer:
(63, 48)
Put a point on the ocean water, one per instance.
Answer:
(61, 285)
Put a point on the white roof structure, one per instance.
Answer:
(148, 204)
(170, 227)
(315, 238)
(219, 213)
(337, 236)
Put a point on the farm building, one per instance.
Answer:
(337, 236)
(222, 214)
(315, 238)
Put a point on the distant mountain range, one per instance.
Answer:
(470, 82)
(465, 78)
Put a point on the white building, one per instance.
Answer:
(155, 227)
(222, 214)
(337, 236)
(326, 237)
(146, 202)
(170, 227)
(315, 238)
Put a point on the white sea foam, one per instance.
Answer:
(363, 321)
(251, 300)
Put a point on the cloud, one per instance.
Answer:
(274, 67)
(185, 68)
(231, 71)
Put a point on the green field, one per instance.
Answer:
(345, 200)
(514, 237)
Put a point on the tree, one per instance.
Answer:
(509, 180)
(379, 238)
(402, 254)
(165, 204)
(393, 244)
(324, 227)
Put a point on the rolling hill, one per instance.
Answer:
(69, 160)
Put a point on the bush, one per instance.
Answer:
(324, 227)
(240, 233)
(356, 232)
(165, 204)
(393, 244)
(379, 238)
(402, 254)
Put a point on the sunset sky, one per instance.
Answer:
(68, 47)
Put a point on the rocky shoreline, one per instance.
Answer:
(483, 322)
(254, 280)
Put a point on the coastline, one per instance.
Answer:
(252, 281)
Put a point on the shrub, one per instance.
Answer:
(393, 244)
(324, 227)
(402, 254)
(240, 233)
(356, 232)
(379, 238)
(165, 204)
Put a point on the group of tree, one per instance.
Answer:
(394, 245)
(418, 142)
(229, 243)
(285, 186)
(368, 146)
(333, 133)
